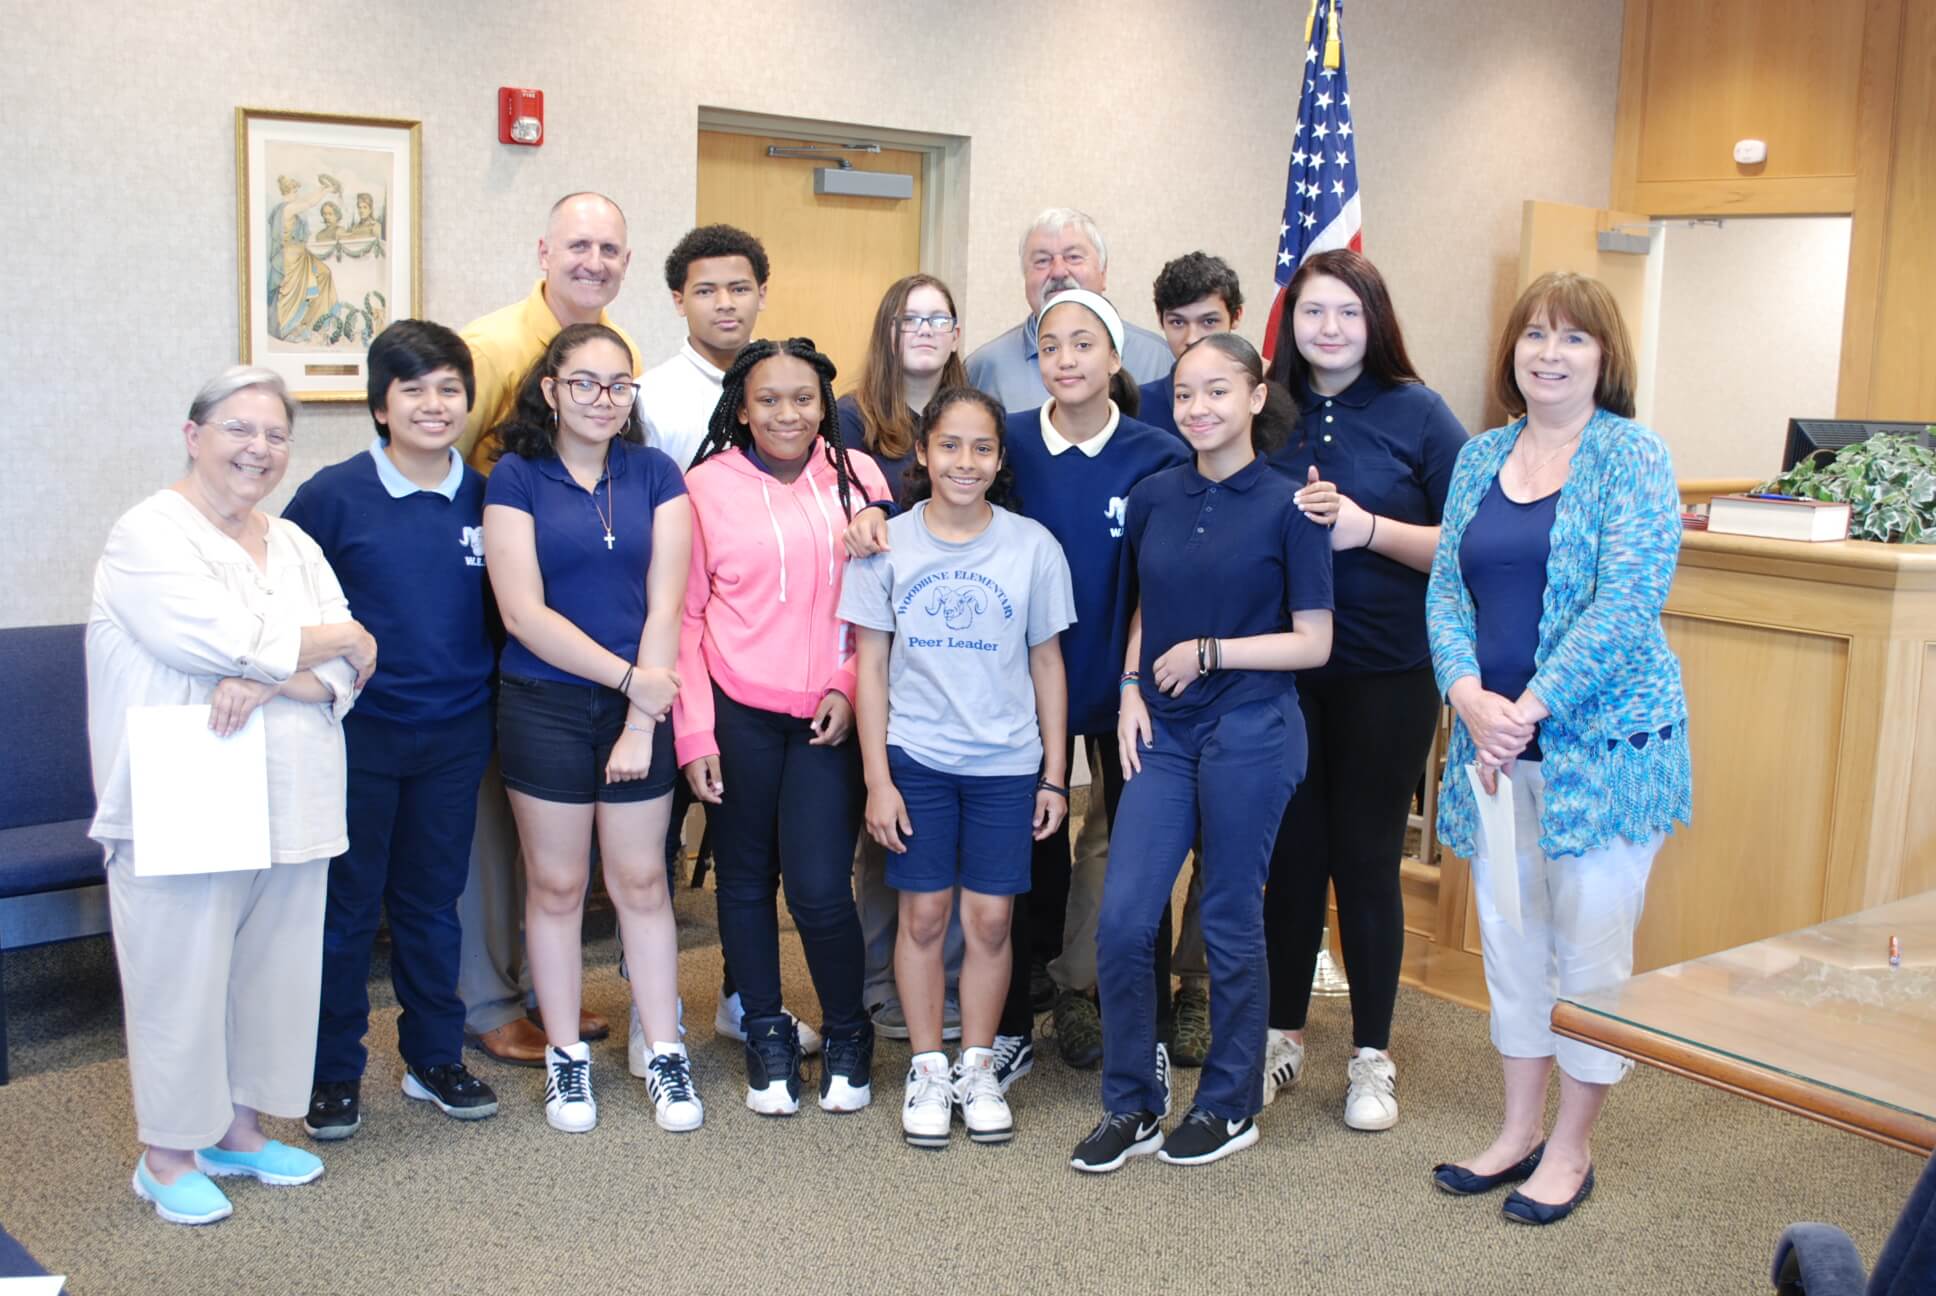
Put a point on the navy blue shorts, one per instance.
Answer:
(553, 740)
(971, 830)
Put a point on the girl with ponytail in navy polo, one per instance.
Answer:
(1233, 587)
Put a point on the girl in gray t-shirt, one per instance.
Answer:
(962, 709)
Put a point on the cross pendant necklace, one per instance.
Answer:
(609, 513)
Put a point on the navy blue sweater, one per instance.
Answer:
(413, 570)
(1082, 502)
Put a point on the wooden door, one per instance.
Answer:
(832, 256)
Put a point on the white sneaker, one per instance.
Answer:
(1163, 1076)
(1372, 1101)
(638, 1049)
(983, 1109)
(726, 1022)
(569, 1105)
(928, 1110)
(675, 1102)
(1283, 1062)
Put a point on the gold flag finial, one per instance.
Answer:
(1333, 50)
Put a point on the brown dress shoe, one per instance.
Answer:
(517, 1042)
(592, 1027)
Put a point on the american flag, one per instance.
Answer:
(1321, 195)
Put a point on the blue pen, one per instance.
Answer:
(1770, 495)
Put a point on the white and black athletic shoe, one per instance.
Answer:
(1163, 1077)
(569, 1105)
(1014, 1058)
(1204, 1137)
(335, 1110)
(668, 1081)
(457, 1093)
(847, 1072)
(772, 1065)
(1116, 1138)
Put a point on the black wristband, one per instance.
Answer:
(1043, 785)
(886, 506)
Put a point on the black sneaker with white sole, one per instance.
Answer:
(1014, 1058)
(847, 1072)
(772, 1065)
(1204, 1137)
(335, 1110)
(1116, 1138)
(457, 1093)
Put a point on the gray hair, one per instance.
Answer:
(237, 378)
(1059, 219)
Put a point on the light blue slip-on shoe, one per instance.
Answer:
(191, 1199)
(277, 1164)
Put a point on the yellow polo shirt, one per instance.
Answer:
(504, 345)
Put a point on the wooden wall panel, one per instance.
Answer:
(1902, 378)
(1919, 830)
(1765, 716)
(1717, 71)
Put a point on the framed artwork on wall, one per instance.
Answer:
(328, 242)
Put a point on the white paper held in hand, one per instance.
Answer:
(1501, 850)
(201, 803)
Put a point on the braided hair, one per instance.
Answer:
(725, 431)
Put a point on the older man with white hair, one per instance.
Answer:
(1061, 249)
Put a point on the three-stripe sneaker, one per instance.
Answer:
(1204, 1137)
(668, 1081)
(569, 1105)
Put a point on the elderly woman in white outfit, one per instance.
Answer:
(201, 598)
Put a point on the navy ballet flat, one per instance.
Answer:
(1521, 1209)
(1461, 1182)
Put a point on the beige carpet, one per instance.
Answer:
(1694, 1184)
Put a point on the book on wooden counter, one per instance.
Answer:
(1778, 517)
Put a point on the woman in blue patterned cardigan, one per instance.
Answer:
(1555, 555)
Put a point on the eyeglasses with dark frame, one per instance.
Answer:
(940, 323)
(584, 391)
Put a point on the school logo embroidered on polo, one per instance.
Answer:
(472, 538)
(1118, 507)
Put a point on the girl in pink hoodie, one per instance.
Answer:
(765, 707)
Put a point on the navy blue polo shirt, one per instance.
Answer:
(1226, 559)
(411, 563)
(1158, 407)
(853, 435)
(1081, 499)
(598, 589)
(1391, 451)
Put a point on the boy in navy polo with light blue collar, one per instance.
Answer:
(402, 525)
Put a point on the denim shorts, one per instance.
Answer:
(554, 738)
(973, 830)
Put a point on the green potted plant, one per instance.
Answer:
(1888, 481)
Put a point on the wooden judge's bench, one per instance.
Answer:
(1811, 688)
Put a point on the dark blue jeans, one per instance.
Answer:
(412, 801)
(790, 813)
(1229, 775)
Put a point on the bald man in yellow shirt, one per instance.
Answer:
(583, 255)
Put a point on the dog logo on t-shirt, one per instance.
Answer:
(472, 538)
(1118, 506)
(957, 605)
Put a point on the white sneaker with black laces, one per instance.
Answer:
(979, 1093)
(1204, 1137)
(928, 1108)
(569, 1105)
(1371, 1103)
(1164, 1078)
(668, 1079)
(1014, 1058)
(1283, 1062)
(638, 1049)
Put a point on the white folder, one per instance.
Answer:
(1496, 817)
(201, 803)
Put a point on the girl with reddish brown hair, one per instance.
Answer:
(913, 352)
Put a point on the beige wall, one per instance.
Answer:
(1172, 129)
(1750, 321)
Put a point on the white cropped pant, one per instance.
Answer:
(221, 974)
(1577, 918)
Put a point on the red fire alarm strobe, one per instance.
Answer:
(520, 116)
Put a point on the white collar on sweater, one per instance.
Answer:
(1057, 443)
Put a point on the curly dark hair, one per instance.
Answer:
(1001, 491)
(529, 429)
(714, 241)
(1273, 426)
(727, 432)
(1194, 276)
